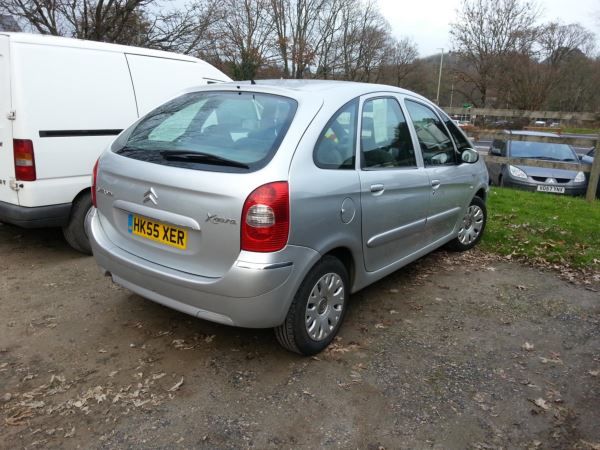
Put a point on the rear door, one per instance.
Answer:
(394, 189)
(7, 167)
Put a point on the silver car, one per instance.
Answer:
(541, 179)
(266, 204)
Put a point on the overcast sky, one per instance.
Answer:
(427, 21)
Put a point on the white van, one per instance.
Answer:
(62, 101)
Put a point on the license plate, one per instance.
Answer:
(553, 189)
(157, 231)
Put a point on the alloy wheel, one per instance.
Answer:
(324, 308)
(471, 226)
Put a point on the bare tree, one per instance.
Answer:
(401, 59)
(245, 35)
(297, 26)
(558, 41)
(329, 27)
(532, 75)
(97, 20)
(132, 22)
(579, 90)
(363, 40)
(189, 31)
(486, 30)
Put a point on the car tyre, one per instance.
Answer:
(317, 310)
(74, 232)
(472, 227)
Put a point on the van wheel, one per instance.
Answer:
(317, 310)
(471, 228)
(74, 231)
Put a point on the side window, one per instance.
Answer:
(384, 136)
(499, 146)
(335, 147)
(436, 144)
(459, 137)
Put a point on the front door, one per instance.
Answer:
(7, 163)
(394, 189)
(449, 180)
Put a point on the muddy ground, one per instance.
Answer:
(454, 351)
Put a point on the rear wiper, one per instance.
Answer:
(127, 148)
(208, 158)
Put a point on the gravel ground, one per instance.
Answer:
(455, 351)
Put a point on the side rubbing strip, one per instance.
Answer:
(77, 133)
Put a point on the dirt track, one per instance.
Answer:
(452, 352)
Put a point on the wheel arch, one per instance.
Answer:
(482, 194)
(344, 254)
(77, 198)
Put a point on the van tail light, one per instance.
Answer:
(266, 218)
(94, 177)
(24, 160)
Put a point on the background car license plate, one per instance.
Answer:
(157, 231)
(553, 189)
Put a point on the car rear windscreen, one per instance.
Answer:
(223, 131)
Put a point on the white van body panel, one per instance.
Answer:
(7, 167)
(72, 98)
(68, 97)
(154, 90)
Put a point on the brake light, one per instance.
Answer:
(266, 218)
(94, 176)
(24, 160)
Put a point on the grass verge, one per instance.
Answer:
(581, 130)
(545, 228)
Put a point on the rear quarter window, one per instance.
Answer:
(335, 148)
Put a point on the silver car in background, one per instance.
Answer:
(267, 204)
(541, 179)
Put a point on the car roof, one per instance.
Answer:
(324, 85)
(321, 89)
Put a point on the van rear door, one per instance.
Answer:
(7, 163)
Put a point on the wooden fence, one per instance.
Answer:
(594, 169)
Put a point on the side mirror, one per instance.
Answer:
(470, 156)
(495, 151)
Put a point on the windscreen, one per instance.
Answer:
(542, 150)
(211, 131)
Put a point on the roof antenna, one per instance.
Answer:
(252, 82)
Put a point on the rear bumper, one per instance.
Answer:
(532, 186)
(256, 292)
(38, 217)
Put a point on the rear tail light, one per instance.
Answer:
(24, 160)
(266, 218)
(94, 177)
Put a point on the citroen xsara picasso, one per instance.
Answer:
(267, 204)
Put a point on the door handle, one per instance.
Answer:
(377, 188)
(435, 184)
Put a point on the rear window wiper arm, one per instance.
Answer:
(209, 158)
